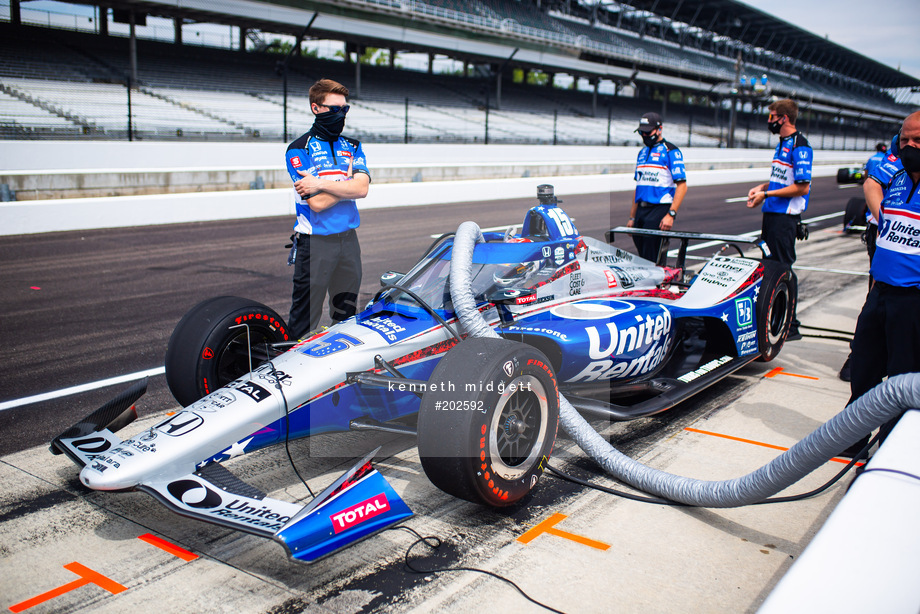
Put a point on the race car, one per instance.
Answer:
(854, 214)
(619, 336)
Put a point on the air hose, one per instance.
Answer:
(880, 405)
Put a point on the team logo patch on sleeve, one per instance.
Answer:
(295, 162)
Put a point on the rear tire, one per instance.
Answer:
(775, 307)
(489, 446)
(204, 353)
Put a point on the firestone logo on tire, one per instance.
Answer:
(361, 512)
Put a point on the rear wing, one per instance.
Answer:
(685, 238)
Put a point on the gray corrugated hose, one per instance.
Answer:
(870, 411)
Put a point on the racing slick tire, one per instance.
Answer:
(491, 443)
(775, 307)
(854, 214)
(204, 353)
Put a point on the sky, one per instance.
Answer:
(886, 32)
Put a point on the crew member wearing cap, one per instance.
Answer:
(661, 184)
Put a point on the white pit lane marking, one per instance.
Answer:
(66, 392)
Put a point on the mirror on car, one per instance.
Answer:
(512, 296)
(391, 277)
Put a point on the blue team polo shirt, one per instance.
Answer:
(326, 160)
(791, 164)
(658, 169)
(897, 250)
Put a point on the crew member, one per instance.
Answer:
(329, 173)
(661, 184)
(887, 339)
(880, 170)
(785, 196)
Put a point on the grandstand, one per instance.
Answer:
(680, 59)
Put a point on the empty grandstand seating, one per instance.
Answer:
(74, 84)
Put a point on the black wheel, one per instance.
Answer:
(206, 351)
(775, 306)
(487, 423)
(854, 214)
(843, 175)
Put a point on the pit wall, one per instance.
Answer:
(81, 185)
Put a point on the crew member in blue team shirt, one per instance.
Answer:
(661, 184)
(329, 173)
(785, 196)
(887, 339)
(880, 169)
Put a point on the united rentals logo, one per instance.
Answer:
(361, 512)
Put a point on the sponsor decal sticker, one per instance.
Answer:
(744, 312)
(709, 366)
(360, 512)
(251, 389)
(559, 255)
(523, 300)
(181, 424)
(295, 162)
(611, 278)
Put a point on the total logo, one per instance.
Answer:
(360, 512)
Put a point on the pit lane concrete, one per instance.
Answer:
(658, 559)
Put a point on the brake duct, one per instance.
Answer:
(881, 404)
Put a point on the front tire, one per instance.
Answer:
(491, 443)
(204, 353)
(775, 308)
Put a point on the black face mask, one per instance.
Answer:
(329, 125)
(910, 159)
(774, 126)
(649, 139)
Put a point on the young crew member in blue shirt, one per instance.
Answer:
(661, 184)
(329, 173)
(785, 196)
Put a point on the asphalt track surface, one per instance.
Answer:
(85, 306)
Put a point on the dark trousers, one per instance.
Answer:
(778, 231)
(324, 264)
(649, 217)
(887, 339)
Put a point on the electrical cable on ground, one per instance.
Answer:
(434, 543)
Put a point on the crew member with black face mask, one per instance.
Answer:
(887, 339)
(661, 184)
(785, 196)
(329, 173)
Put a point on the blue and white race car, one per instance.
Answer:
(619, 336)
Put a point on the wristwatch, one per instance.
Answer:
(672, 213)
